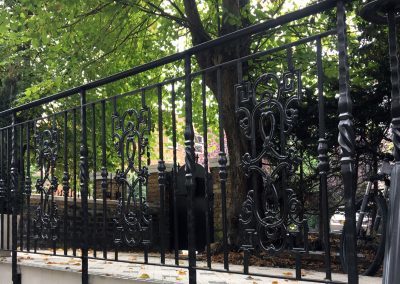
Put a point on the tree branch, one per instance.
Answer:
(157, 12)
(84, 15)
(140, 27)
(199, 34)
(177, 9)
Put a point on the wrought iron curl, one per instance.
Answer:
(133, 220)
(266, 110)
(46, 219)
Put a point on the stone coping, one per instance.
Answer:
(138, 272)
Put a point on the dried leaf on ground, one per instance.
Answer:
(144, 276)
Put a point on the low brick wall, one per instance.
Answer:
(96, 218)
(96, 224)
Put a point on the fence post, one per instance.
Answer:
(323, 161)
(346, 141)
(161, 175)
(384, 12)
(16, 277)
(392, 251)
(84, 176)
(189, 169)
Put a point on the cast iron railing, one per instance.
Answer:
(120, 134)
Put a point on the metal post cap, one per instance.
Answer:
(376, 11)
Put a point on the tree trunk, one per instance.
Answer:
(236, 146)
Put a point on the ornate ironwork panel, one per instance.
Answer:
(267, 111)
(46, 219)
(133, 220)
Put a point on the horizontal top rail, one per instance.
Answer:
(254, 29)
(176, 79)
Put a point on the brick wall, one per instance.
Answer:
(153, 197)
(96, 231)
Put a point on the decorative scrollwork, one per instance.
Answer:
(46, 219)
(133, 221)
(266, 112)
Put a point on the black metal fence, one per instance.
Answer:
(122, 133)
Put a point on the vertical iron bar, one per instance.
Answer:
(290, 64)
(346, 141)
(84, 177)
(14, 187)
(189, 169)
(2, 190)
(283, 150)
(94, 151)
(74, 154)
(52, 169)
(323, 164)
(35, 231)
(246, 252)
(392, 250)
(65, 183)
(289, 59)
(28, 187)
(222, 161)
(174, 178)
(104, 175)
(207, 190)
(22, 186)
(161, 175)
(146, 245)
(8, 193)
(298, 265)
(118, 194)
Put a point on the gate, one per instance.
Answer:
(202, 208)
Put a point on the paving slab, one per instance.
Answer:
(158, 273)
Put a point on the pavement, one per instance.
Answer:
(159, 273)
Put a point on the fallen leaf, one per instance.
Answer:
(287, 273)
(275, 282)
(144, 276)
(181, 272)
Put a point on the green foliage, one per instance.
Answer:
(49, 46)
